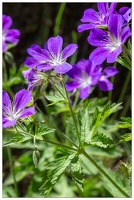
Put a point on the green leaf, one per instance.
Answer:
(84, 125)
(41, 131)
(17, 139)
(125, 138)
(127, 123)
(100, 116)
(101, 140)
(55, 170)
(116, 177)
(54, 98)
(76, 172)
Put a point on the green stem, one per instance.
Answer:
(58, 144)
(72, 113)
(76, 99)
(59, 18)
(104, 173)
(12, 170)
(58, 131)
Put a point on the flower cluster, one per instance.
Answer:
(8, 35)
(108, 42)
(85, 75)
(109, 30)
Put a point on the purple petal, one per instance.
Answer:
(26, 73)
(105, 84)
(6, 123)
(4, 46)
(112, 7)
(31, 62)
(44, 67)
(69, 50)
(90, 15)
(27, 112)
(70, 86)
(72, 72)
(115, 25)
(6, 99)
(110, 71)
(103, 8)
(54, 45)
(63, 68)
(126, 32)
(112, 57)
(99, 55)
(84, 92)
(128, 15)
(34, 47)
(6, 22)
(84, 27)
(12, 36)
(21, 99)
(98, 37)
(126, 12)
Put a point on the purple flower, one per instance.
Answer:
(17, 109)
(34, 78)
(126, 13)
(52, 56)
(110, 42)
(8, 35)
(84, 75)
(104, 83)
(95, 19)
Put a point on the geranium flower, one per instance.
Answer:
(86, 75)
(52, 56)
(109, 42)
(34, 78)
(13, 111)
(8, 35)
(126, 13)
(97, 19)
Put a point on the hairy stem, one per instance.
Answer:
(58, 144)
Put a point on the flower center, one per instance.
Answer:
(85, 80)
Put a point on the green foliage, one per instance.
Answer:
(76, 172)
(124, 184)
(89, 129)
(55, 170)
(125, 169)
(101, 140)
